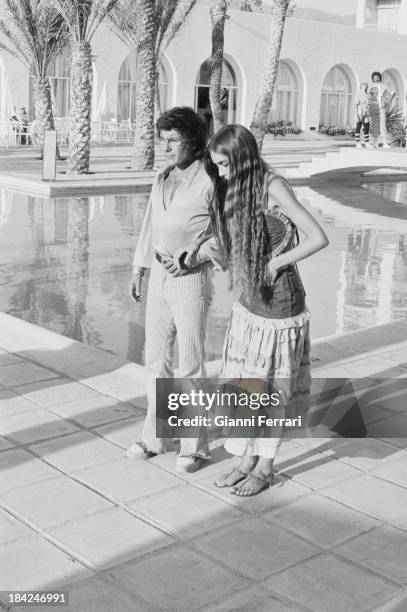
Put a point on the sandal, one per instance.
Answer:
(239, 476)
(258, 483)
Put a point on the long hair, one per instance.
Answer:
(237, 207)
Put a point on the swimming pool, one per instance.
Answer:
(65, 266)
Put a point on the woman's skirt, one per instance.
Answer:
(276, 351)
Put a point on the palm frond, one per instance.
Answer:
(174, 25)
(122, 20)
(83, 17)
(33, 32)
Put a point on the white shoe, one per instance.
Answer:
(386, 146)
(189, 464)
(136, 451)
(358, 145)
(368, 145)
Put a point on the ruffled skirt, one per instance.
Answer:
(276, 351)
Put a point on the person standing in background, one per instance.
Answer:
(379, 102)
(362, 114)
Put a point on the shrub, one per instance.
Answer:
(336, 130)
(282, 128)
(396, 126)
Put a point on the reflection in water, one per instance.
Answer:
(65, 265)
(77, 278)
(396, 191)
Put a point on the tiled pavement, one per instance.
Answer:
(123, 536)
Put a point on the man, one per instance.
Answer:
(176, 219)
(379, 102)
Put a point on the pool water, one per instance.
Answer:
(65, 265)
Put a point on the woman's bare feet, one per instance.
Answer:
(252, 485)
(238, 473)
(259, 479)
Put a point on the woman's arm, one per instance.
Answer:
(315, 239)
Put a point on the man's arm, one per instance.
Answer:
(204, 249)
(144, 253)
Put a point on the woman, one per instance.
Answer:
(362, 114)
(255, 215)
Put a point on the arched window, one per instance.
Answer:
(285, 103)
(336, 99)
(127, 88)
(390, 81)
(58, 73)
(228, 96)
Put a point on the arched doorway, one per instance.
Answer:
(336, 98)
(127, 88)
(392, 83)
(228, 97)
(58, 73)
(285, 102)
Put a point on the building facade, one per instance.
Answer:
(321, 67)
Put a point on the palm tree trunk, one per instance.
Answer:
(143, 156)
(44, 117)
(265, 97)
(80, 108)
(218, 18)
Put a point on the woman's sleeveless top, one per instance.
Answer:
(285, 297)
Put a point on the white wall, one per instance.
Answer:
(312, 47)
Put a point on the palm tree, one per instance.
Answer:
(82, 18)
(218, 12)
(34, 33)
(148, 26)
(265, 96)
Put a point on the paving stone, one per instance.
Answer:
(321, 521)
(35, 564)
(327, 584)
(22, 373)
(47, 393)
(76, 451)
(124, 433)
(390, 395)
(10, 403)
(365, 453)
(95, 411)
(125, 480)
(383, 550)
(7, 358)
(128, 537)
(186, 511)
(320, 470)
(53, 502)
(381, 499)
(398, 603)
(19, 468)
(394, 470)
(393, 429)
(255, 599)
(178, 579)
(5, 444)
(321, 385)
(283, 492)
(98, 595)
(12, 529)
(255, 548)
(34, 426)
